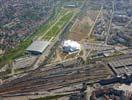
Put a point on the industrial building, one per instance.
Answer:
(121, 66)
(37, 47)
(107, 94)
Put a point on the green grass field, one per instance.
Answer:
(43, 28)
(58, 26)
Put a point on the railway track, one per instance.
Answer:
(49, 79)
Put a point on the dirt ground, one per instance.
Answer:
(92, 14)
(60, 56)
(82, 26)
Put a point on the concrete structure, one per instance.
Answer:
(70, 46)
(37, 47)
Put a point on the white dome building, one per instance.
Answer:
(70, 46)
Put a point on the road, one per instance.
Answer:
(91, 30)
(110, 23)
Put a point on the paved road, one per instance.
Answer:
(91, 30)
(109, 28)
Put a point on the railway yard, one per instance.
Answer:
(52, 78)
(103, 30)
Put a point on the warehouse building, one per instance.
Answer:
(37, 47)
(121, 66)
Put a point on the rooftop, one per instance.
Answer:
(38, 46)
(121, 66)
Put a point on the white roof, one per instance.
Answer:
(72, 44)
(38, 46)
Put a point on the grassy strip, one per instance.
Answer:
(58, 26)
(42, 29)
(14, 53)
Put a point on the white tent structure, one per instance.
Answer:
(70, 46)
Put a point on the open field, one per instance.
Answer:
(83, 24)
(80, 29)
(58, 25)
